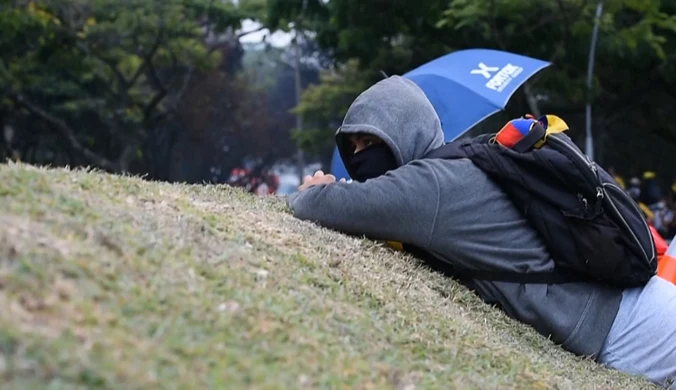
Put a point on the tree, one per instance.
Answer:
(274, 72)
(325, 104)
(633, 80)
(101, 75)
(636, 38)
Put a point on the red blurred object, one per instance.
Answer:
(660, 244)
(666, 263)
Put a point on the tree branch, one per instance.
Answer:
(154, 77)
(184, 87)
(245, 33)
(148, 57)
(65, 131)
(209, 25)
(220, 45)
(155, 120)
(85, 88)
(122, 80)
(153, 104)
(67, 27)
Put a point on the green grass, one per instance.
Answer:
(113, 282)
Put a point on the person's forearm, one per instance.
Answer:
(394, 207)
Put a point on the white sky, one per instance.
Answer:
(278, 38)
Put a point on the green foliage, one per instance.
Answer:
(254, 9)
(90, 80)
(391, 38)
(324, 105)
(121, 65)
(634, 66)
(633, 72)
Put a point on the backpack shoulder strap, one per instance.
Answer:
(560, 276)
(456, 149)
(449, 151)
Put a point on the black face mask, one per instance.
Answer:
(372, 162)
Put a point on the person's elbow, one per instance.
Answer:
(299, 204)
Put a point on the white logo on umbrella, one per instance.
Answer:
(485, 70)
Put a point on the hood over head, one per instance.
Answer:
(397, 111)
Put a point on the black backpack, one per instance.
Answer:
(593, 230)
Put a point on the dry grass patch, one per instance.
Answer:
(113, 282)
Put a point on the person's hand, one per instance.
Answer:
(318, 178)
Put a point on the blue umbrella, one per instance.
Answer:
(465, 87)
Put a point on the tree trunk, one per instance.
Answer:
(66, 132)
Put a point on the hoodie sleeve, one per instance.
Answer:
(401, 205)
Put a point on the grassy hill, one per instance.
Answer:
(113, 282)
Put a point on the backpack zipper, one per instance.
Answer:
(602, 193)
(645, 224)
(593, 179)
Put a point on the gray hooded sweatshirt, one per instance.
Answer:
(452, 211)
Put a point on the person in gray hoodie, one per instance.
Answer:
(452, 212)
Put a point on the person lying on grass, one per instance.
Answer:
(450, 212)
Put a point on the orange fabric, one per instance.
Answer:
(666, 268)
(666, 263)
